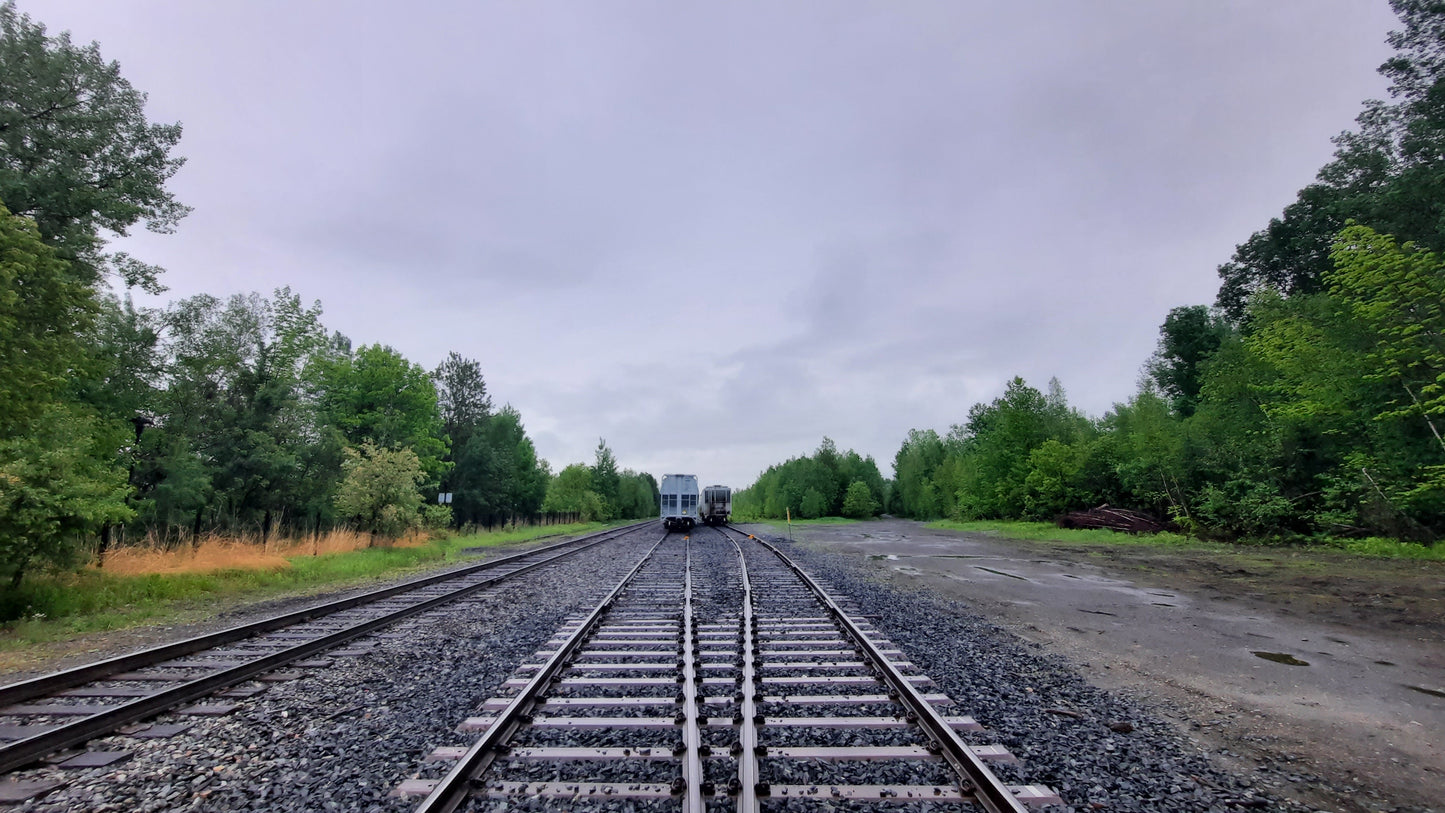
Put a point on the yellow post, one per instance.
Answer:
(789, 512)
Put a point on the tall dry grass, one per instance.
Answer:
(217, 552)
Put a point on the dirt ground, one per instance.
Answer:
(1321, 674)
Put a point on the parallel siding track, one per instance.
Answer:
(57, 711)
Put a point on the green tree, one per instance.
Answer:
(79, 156)
(43, 310)
(519, 479)
(814, 504)
(1187, 339)
(859, 502)
(380, 489)
(1052, 485)
(1397, 293)
(1140, 460)
(56, 488)
(233, 398)
(58, 480)
(462, 397)
(638, 495)
(914, 467)
(376, 395)
(1386, 174)
(572, 491)
(605, 479)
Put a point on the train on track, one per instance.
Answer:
(681, 508)
(679, 502)
(717, 505)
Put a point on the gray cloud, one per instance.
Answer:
(715, 233)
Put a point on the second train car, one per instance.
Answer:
(717, 505)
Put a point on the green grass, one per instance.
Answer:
(1047, 532)
(799, 523)
(61, 605)
(1389, 548)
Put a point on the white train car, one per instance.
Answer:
(717, 505)
(679, 501)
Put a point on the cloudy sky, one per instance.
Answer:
(713, 233)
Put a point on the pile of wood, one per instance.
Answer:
(1114, 519)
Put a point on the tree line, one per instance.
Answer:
(1308, 400)
(825, 484)
(241, 415)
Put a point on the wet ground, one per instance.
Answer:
(1325, 668)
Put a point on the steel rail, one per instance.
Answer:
(28, 750)
(987, 789)
(747, 757)
(692, 772)
(456, 786)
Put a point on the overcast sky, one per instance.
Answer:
(715, 232)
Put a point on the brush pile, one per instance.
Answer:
(1113, 519)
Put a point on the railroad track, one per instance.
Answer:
(48, 714)
(717, 675)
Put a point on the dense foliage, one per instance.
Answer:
(239, 415)
(601, 492)
(827, 484)
(1319, 415)
(1309, 402)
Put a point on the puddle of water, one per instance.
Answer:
(1001, 573)
(1384, 663)
(1337, 640)
(1423, 690)
(1098, 612)
(1070, 576)
(1163, 595)
(955, 556)
(1162, 604)
(1280, 657)
(892, 557)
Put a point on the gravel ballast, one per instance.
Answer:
(343, 736)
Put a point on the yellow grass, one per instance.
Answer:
(240, 553)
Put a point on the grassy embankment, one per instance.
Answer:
(1374, 547)
(798, 523)
(146, 586)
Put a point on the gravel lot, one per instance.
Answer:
(1098, 751)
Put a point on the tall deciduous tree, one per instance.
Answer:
(1188, 338)
(1386, 174)
(43, 310)
(58, 479)
(377, 395)
(79, 156)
